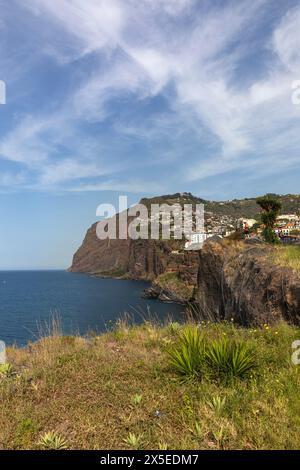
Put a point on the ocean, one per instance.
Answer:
(29, 300)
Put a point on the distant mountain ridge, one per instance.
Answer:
(235, 208)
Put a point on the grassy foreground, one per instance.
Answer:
(119, 390)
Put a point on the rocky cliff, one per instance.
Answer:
(224, 279)
(106, 257)
(241, 282)
(134, 259)
(138, 259)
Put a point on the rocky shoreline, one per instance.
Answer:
(164, 295)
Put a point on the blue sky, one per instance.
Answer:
(139, 97)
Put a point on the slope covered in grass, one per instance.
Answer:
(120, 390)
(287, 256)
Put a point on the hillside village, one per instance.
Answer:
(236, 218)
(287, 229)
(287, 226)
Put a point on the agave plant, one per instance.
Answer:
(217, 404)
(219, 436)
(136, 399)
(53, 441)
(197, 430)
(187, 357)
(174, 327)
(162, 446)
(6, 370)
(230, 358)
(134, 441)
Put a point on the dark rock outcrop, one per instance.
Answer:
(243, 283)
(164, 295)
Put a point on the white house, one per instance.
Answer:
(249, 222)
(285, 230)
(196, 240)
(287, 217)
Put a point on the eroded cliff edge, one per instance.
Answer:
(244, 283)
(173, 271)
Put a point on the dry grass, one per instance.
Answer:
(287, 256)
(118, 390)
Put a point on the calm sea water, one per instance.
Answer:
(29, 299)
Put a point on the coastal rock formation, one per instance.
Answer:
(224, 279)
(241, 282)
(162, 294)
(105, 257)
(133, 259)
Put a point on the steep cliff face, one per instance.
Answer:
(134, 259)
(147, 259)
(240, 282)
(106, 257)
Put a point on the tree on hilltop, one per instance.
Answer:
(270, 206)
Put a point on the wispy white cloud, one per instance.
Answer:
(22, 144)
(131, 186)
(189, 53)
(95, 23)
(286, 41)
(69, 169)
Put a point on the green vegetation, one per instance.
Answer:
(134, 442)
(287, 256)
(6, 370)
(188, 356)
(230, 359)
(53, 441)
(122, 390)
(116, 273)
(136, 399)
(195, 356)
(217, 404)
(270, 206)
(171, 281)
